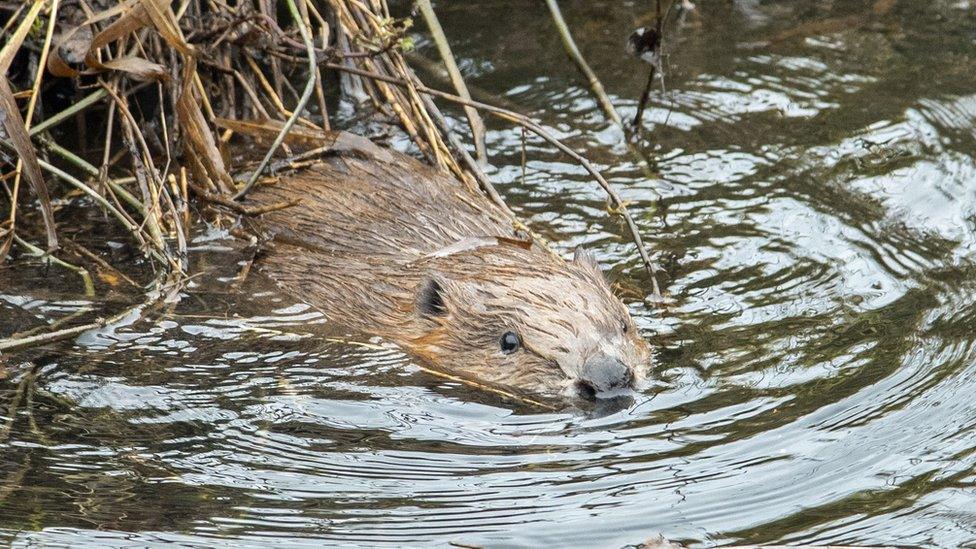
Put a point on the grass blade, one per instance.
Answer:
(16, 131)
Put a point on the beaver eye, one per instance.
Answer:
(510, 342)
(624, 326)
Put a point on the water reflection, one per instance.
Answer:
(816, 219)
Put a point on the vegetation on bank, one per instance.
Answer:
(142, 109)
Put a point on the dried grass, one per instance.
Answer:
(169, 84)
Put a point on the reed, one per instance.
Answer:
(166, 90)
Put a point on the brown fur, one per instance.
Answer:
(374, 241)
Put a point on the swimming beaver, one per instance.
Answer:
(388, 246)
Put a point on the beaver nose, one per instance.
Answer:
(604, 373)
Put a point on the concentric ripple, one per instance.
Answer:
(815, 213)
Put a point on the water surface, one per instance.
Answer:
(814, 212)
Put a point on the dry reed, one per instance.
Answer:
(164, 87)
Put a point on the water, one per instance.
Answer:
(815, 367)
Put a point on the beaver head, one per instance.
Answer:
(524, 318)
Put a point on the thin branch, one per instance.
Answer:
(99, 262)
(302, 102)
(653, 46)
(11, 344)
(644, 98)
(47, 256)
(159, 293)
(87, 101)
(474, 119)
(111, 208)
(53, 325)
(574, 54)
(237, 206)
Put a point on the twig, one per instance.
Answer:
(52, 326)
(319, 91)
(71, 180)
(474, 119)
(616, 204)
(473, 166)
(10, 344)
(145, 171)
(86, 102)
(16, 130)
(13, 19)
(653, 57)
(80, 271)
(15, 40)
(41, 64)
(92, 171)
(302, 102)
(101, 263)
(596, 88)
(31, 104)
(644, 98)
(434, 71)
(237, 206)
(574, 54)
(251, 251)
(111, 208)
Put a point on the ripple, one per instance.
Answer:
(813, 206)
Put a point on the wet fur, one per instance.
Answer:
(401, 250)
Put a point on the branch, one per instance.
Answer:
(302, 102)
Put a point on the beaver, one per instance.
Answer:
(388, 246)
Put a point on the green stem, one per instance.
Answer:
(70, 111)
(80, 271)
(92, 171)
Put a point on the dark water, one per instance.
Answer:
(816, 366)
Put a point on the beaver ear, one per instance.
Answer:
(430, 299)
(586, 260)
